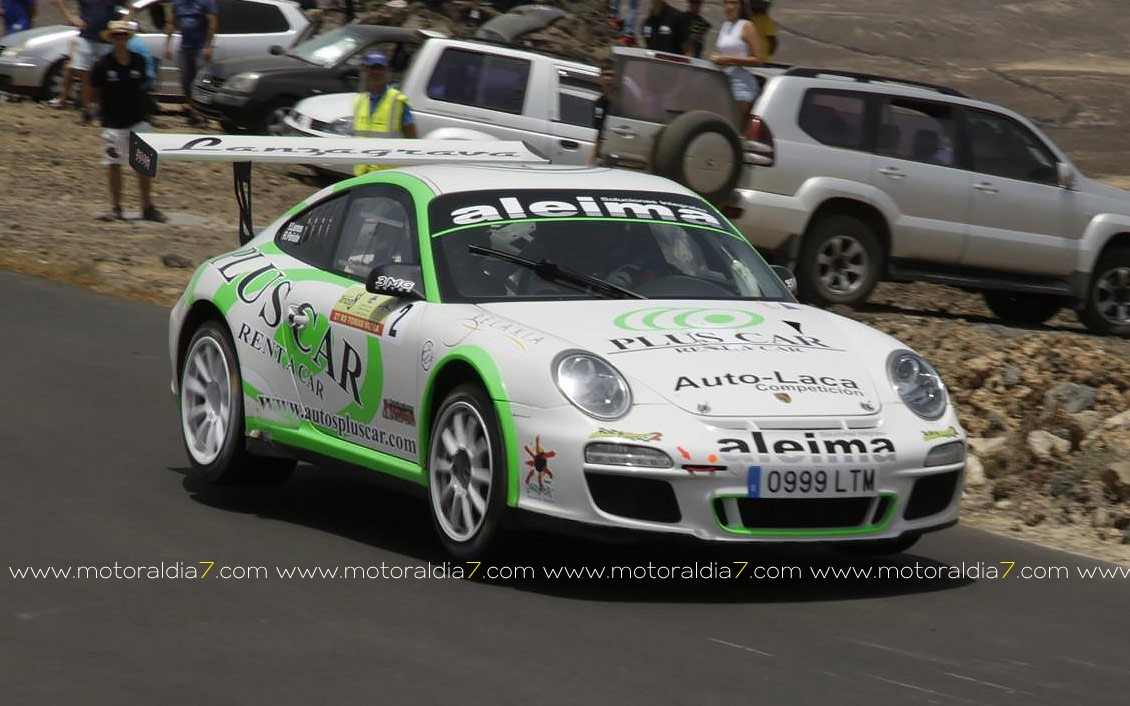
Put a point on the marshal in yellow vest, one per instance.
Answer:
(385, 121)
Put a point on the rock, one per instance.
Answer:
(1006, 487)
(997, 330)
(988, 448)
(1044, 444)
(1068, 397)
(174, 260)
(1121, 521)
(996, 423)
(1118, 421)
(1010, 375)
(1085, 423)
(1002, 505)
(1116, 480)
(1100, 518)
(1034, 516)
(974, 472)
(1125, 536)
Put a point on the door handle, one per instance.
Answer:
(893, 172)
(985, 187)
(296, 317)
(623, 131)
(569, 144)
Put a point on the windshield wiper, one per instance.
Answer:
(553, 272)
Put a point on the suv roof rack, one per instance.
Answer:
(869, 78)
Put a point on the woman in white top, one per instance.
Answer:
(738, 45)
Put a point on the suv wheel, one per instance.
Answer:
(701, 151)
(1021, 308)
(1107, 309)
(839, 262)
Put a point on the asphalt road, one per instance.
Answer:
(93, 474)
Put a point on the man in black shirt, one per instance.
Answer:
(693, 28)
(119, 81)
(600, 107)
(660, 28)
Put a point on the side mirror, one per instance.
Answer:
(394, 280)
(1064, 175)
(277, 49)
(787, 277)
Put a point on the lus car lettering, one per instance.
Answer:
(696, 341)
(250, 277)
(811, 448)
(775, 381)
(670, 318)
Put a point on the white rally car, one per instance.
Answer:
(598, 346)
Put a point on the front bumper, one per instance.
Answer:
(22, 74)
(706, 494)
(218, 104)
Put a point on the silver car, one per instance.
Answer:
(33, 61)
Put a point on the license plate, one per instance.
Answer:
(811, 483)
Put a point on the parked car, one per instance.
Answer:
(854, 178)
(255, 93)
(33, 61)
(507, 92)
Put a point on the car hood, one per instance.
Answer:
(36, 35)
(1113, 200)
(328, 107)
(269, 64)
(718, 358)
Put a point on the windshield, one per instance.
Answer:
(657, 245)
(329, 48)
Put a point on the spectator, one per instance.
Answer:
(64, 98)
(473, 15)
(626, 27)
(380, 111)
(600, 107)
(693, 27)
(766, 27)
(118, 81)
(93, 17)
(660, 28)
(197, 21)
(738, 46)
(18, 15)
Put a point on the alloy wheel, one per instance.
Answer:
(1112, 295)
(842, 264)
(206, 400)
(460, 471)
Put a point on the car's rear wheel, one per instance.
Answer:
(212, 423)
(1107, 309)
(467, 474)
(879, 547)
(273, 121)
(840, 261)
(701, 151)
(1023, 308)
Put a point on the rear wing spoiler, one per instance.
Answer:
(146, 149)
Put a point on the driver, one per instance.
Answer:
(637, 256)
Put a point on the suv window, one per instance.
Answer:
(1003, 147)
(659, 91)
(242, 17)
(921, 131)
(482, 80)
(379, 229)
(834, 118)
(576, 107)
(311, 235)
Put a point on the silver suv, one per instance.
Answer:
(852, 178)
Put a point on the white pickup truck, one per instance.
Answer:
(482, 89)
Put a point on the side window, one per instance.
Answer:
(481, 80)
(576, 107)
(243, 17)
(922, 131)
(311, 235)
(834, 118)
(379, 228)
(1003, 147)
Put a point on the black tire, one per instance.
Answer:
(271, 121)
(1023, 308)
(230, 463)
(1107, 309)
(701, 151)
(454, 475)
(879, 547)
(230, 126)
(825, 278)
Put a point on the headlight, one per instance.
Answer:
(242, 83)
(342, 126)
(917, 383)
(592, 385)
(16, 50)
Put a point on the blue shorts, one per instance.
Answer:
(743, 84)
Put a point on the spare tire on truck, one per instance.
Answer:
(701, 151)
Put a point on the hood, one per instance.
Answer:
(268, 64)
(38, 34)
(1114, 200)
(717, 358)
(328, 107)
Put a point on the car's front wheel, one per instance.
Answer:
(839, 263)
(1107, 309)
(211, 405)
(1020, 308)
(467, 474)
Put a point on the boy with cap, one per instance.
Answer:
(118, 80)
(380, 111)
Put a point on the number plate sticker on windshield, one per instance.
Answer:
(809, 483)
